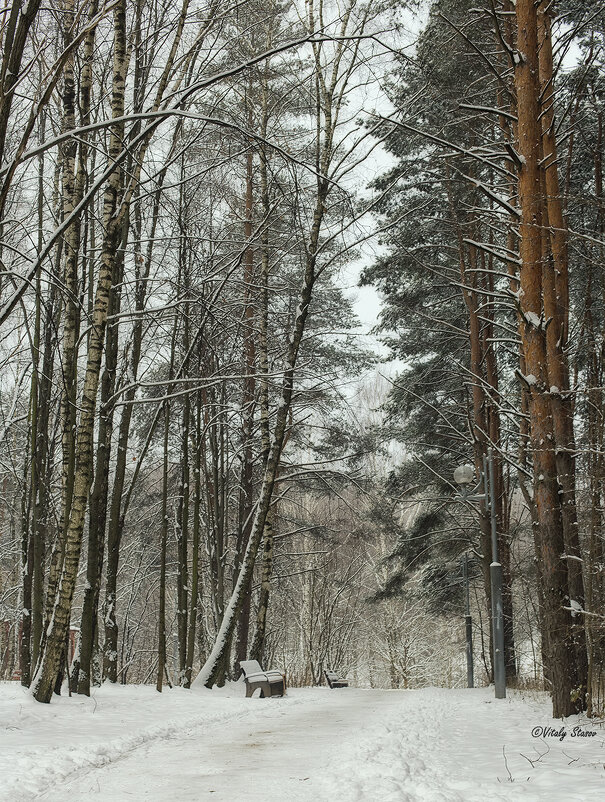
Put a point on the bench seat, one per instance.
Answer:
(271, 683)
(334, 681)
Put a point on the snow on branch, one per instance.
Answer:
(500, 253)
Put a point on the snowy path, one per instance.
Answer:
(315, 745)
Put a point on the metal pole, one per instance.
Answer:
(496, 582)
(469, 629)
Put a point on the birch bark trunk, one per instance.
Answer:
(50, 664)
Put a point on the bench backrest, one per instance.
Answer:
(332, 676)
(250, 667)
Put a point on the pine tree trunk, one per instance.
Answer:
(549, 534)
(556, 309)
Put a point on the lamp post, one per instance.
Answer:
(468, 621)
(464, 476)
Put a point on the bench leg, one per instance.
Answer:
(265, 688)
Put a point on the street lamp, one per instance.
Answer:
(464, 476)
(470, 680)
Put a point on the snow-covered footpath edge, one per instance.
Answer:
(42, 745)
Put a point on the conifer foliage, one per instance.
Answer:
(485, 280)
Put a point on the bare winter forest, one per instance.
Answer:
(204, 457)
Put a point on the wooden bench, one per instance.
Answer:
(334, 681)
(271, 683)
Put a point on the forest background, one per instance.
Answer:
(202, 459)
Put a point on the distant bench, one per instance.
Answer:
(334, 681)
(271, 683)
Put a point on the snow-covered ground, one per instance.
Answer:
(435, 745)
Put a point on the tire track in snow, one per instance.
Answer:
(37, 774)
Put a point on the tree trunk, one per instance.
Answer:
(71, 317)
(195, 589)
(549, 533)
(182, 523)
(119, 506)
(258, 643)
(49, 668)
(163, 548)
(248, 399)
(556, 310)
(81, 670)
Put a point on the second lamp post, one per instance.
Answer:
(464, 476)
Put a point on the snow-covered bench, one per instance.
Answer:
(334, 681)
(271, 683)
